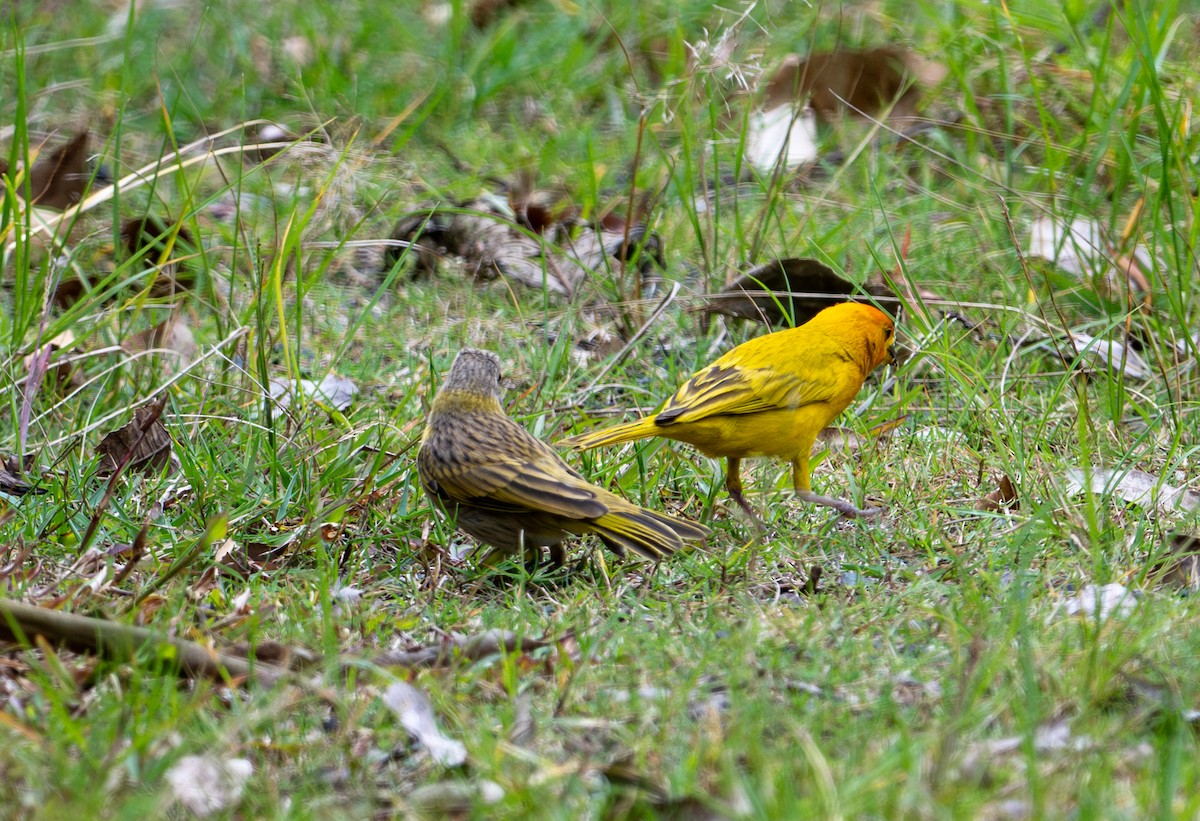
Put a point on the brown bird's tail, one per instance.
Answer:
(628, 432)
(653, 535)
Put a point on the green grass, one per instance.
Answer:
(932, 675)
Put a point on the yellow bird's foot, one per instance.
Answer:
(845, 508)
(738, 497)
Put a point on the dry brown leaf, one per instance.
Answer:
(484, 12)
(493, 242)
(11, 472)
(252, 557)
(863, 83)
(597, 343)
(1134, 268)
(1180, 568)
(491, 247)
(1004, 497)
(172, 336)
(596, 244)
(143, 444)
(539, 209)
(624, 771)
(68, 292)
(166, 247)
(60, 179)
(425, 237)
(483, 233)
(787, 291)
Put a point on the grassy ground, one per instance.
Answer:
(932, 673)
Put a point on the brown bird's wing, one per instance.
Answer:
(493, 463)
(727, 390)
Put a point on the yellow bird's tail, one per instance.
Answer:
(653, 535)
(628, 432)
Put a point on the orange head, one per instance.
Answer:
(859, 326)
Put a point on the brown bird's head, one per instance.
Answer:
(474, 380)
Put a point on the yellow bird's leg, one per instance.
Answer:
(803, 485)
(733, 484)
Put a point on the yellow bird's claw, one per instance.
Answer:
(845, 508)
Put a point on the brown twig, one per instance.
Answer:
(25, 623)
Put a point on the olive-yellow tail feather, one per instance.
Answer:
(653, 535)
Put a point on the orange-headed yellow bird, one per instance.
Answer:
(771, 396)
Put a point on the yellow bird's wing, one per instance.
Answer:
(729, 390)
(493, 463)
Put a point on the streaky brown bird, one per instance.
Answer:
(506, 488)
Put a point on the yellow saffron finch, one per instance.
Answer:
(508, 489)
(771, 396)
